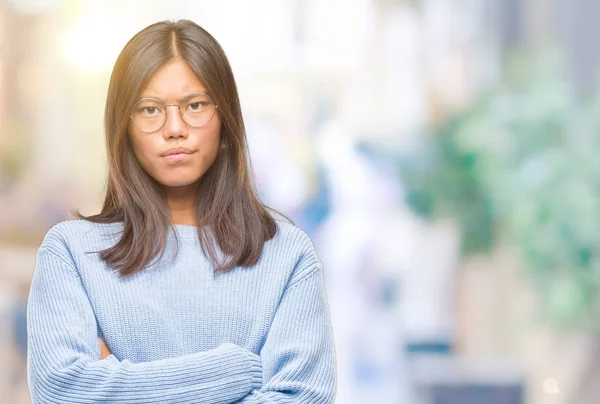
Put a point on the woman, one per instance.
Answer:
(184, 289)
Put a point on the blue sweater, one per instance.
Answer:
(177, 332)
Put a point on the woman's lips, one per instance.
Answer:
(176, 157)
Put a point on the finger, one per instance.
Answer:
(104, 351)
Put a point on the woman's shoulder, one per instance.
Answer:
(291, 242)
(291, 235)
(68, 233)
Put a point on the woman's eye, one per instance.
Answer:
(148, 110)
(196, 106)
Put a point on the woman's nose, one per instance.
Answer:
(174, 125)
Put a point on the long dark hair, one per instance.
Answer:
(228, 212)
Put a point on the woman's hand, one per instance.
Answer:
(104, 352)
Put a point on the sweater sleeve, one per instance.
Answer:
(298, 355)
(63, 353)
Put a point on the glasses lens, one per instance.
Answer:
(198, 109)
(148, 115)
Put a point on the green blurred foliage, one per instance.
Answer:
(522, 165)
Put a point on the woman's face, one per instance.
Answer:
(171, 85)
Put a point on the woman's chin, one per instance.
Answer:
(179, 183)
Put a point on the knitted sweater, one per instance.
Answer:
(177, 332)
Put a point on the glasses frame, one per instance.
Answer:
(166, 113)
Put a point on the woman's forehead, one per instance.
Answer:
(174, 80)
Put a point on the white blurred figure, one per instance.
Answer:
(281, 181)
(367, 336)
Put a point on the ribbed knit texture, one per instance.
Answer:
(178, 333)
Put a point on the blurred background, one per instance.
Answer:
(440, 153)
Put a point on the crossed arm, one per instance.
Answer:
(296, 363)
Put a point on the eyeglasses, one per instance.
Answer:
(149, 114)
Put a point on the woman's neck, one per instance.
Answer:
(181, 206)
(183, 218)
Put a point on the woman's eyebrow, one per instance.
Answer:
(158, 98)
(152, 96)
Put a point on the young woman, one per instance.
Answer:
(184, 288)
